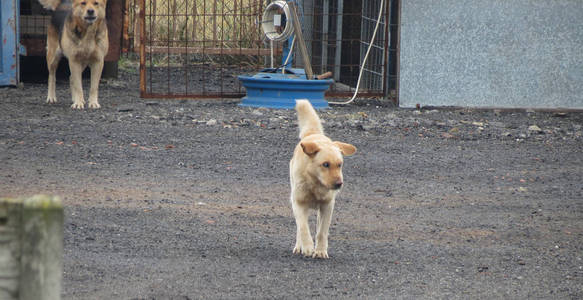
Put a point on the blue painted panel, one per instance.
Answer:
(492, 53)
(9, 42)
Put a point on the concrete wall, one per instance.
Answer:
(492, 53)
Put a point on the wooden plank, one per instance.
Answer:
(200, 50)
(114, 28)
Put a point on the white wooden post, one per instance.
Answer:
(31, 248)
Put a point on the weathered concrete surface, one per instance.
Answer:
(523, 53)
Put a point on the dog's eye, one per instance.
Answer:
(83, 3)
(96, 3)
(326, 165)
(339, 165)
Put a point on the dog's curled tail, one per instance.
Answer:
(308, 120)
(50, 4)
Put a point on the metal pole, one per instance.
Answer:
(338, 57)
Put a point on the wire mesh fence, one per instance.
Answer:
(197, 48)
(34, 20)
(340, 33)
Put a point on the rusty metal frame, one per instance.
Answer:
(142, 21)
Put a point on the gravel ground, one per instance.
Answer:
(189, 199)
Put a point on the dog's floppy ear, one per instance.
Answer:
(310, 148)
(346, 149)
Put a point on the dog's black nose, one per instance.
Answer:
(338, 185)
(90, 12)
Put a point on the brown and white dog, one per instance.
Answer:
(316, 178)
(78, 31)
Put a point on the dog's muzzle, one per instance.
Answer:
(90, 16)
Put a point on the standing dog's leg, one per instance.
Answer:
(96, 69)
(76, 84)
(304, 242)
(324, 218)
(53, 57)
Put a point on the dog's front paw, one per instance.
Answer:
(297, 250)
(94, 105)
(320, 254)
(78, 105)
(307, 251)
(51, 99)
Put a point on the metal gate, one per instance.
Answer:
(9, 64)
(197, 48)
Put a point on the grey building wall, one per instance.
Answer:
(492, 53)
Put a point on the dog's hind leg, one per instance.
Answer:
(53, 57)
(96, 69)
(304, 242)
(324, 218)
(76, 84)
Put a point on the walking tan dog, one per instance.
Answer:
(78, 31)
(316, 178)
